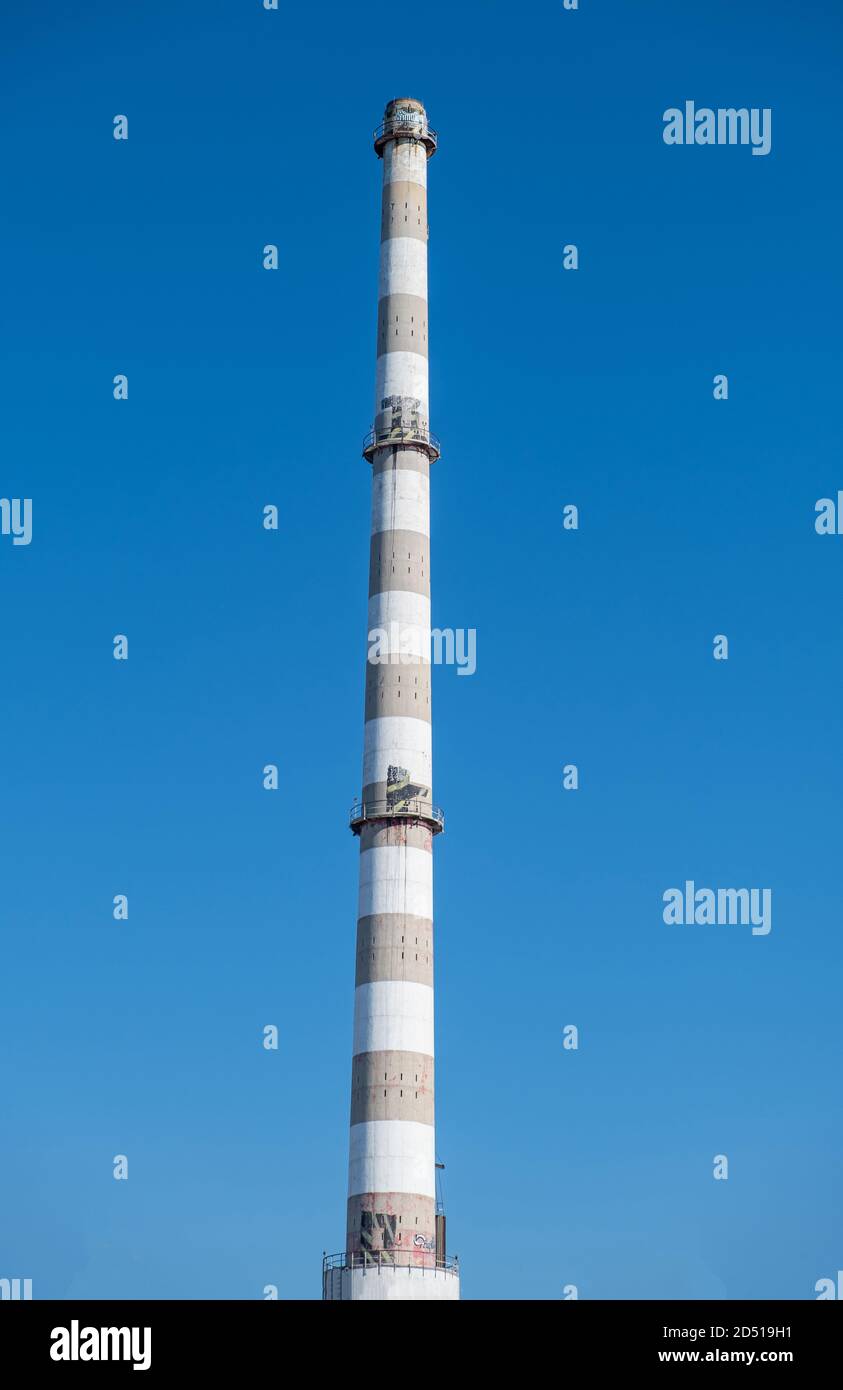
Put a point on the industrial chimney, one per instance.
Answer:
(394, 1242)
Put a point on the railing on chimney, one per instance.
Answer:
(394, 436)
(410, 126)
(389, 1259)
(411, 809)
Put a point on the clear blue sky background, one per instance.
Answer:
(248, 387)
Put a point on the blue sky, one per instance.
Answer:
(548, 387)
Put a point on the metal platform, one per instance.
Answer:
(363, 812)
(401, 436)
(406, 125)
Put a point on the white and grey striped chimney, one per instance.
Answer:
(394, 1243)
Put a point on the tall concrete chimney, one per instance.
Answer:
(391, 1250)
